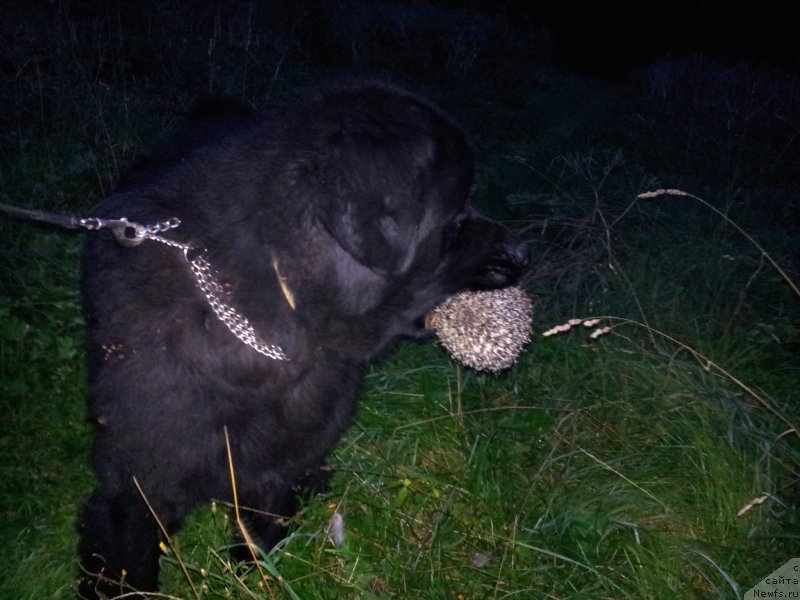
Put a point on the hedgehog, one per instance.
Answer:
(484, 330)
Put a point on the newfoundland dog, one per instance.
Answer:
(296, 247)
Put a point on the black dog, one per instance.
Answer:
(333, 227)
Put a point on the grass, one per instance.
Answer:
(618, 481)
(43, 457)
(658, 460)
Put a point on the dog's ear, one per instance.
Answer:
(382, 170)
(379, 232)
(383, 197)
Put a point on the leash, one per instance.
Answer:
(131, 234)
(127, 233)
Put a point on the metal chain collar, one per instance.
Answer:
(207, 281)
(129, 233)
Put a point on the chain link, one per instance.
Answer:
(236, 323)
(207, 281)
(130, 234)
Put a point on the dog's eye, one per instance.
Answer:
(459, 223)
(451, 232)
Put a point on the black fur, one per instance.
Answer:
(358, 194)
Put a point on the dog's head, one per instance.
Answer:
(385, 176)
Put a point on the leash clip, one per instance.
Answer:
(128, 234)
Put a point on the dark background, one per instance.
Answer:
(596, 38)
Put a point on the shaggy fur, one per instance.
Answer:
(358, 195)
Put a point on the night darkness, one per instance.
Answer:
(611, 38)
(598, 39)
